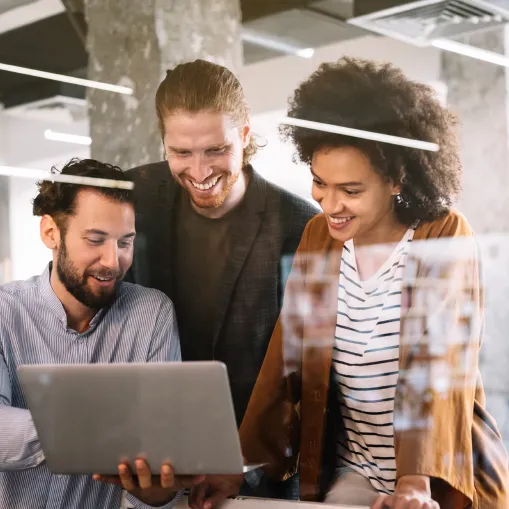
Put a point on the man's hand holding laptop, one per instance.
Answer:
(150, 489)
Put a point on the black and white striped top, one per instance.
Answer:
(366, 357)
(140, 326)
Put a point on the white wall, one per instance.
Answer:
(268, 84)
(29, 255)
(274, 160)
(25, 146)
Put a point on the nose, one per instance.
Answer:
(110, 255)
(199, 169)
(331, 203)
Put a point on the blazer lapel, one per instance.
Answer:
(155, 244)
(244, 232)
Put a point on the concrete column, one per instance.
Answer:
(133, 44)
(478, 94)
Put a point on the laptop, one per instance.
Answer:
(91, 417)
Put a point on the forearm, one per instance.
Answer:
(20, 448)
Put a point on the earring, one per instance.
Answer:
(400, 201)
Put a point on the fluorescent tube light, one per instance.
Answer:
(36, 175)
(66, 79)
(357, 133)
(68, 138)
(276, 44)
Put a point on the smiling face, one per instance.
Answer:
(94, 250)
(205, 151)
(357, 201)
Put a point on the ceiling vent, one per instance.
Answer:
(420, 22)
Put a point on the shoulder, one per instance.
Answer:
(154, 188)
(291, 202)
(150, 178)
(17, 293)
(290, 212)
(317, 227)
(454, 224)
(143, 300)
(150, 172)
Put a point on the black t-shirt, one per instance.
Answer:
(202, 250)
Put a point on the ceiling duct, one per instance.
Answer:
(420, 22)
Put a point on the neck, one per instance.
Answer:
(387, 230)
(235, 196)
(78, 315)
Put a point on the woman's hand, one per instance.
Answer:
(412, 492)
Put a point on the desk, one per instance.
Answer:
(261, 503)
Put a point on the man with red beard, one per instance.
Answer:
(212, 233)
(79, 311)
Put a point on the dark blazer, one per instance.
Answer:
(267, 233)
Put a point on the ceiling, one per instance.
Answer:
(53, 37)
(50, 35)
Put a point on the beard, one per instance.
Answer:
(77, 285)
(217, 199)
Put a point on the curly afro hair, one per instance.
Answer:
(366, 95)
(58, 199)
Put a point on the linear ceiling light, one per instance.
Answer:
(357, 133)
(276, 44)
(66, 79)
(67, 138)
(471, 51)
(36, 175)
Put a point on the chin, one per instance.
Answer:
(210, 203)
(341, 236)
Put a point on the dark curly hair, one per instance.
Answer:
(58, 199)
(366, 95)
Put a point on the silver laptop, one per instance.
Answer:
(91, 417)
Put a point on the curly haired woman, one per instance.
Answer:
(374, 395)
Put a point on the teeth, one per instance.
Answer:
(205, 187)
(103, 278)
(339, 220)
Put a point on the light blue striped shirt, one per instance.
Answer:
(140, 326)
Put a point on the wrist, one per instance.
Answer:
(156, 500)
(419, 483)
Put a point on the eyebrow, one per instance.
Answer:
(341, 184)
(178, 149)
(94, 231)
(212, 147)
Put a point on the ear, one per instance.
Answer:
(50, 233)
(246, 134)
(396, 189)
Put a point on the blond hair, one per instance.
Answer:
(201, 85)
